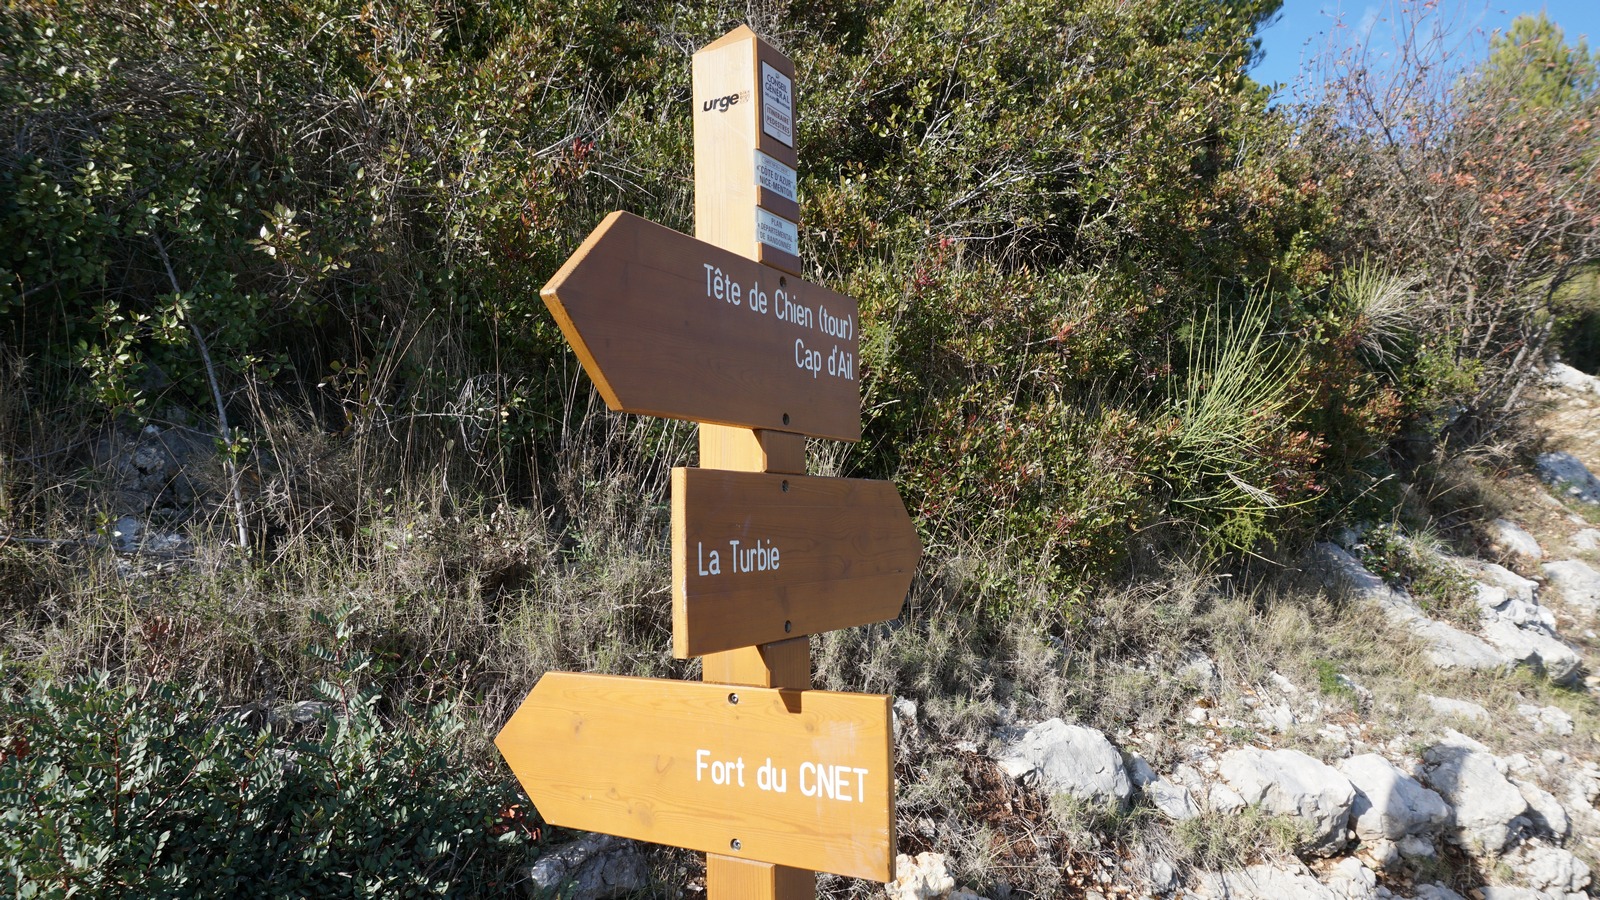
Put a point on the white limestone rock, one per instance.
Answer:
(1544, 810)
(1448, 647)
(1351, 880)
(1508, 892)
(1489, 810)
(905, 715)
(1516, 612)
(592, 867)
(1390, 805)
(1200, 671)
(1139, 771)
(1514, 540)
(1559, 662)
(1567, 378)
(1262, 882)
(1224, 800)
(1436, 892)
(1496, 575)
(922, 877)
(1173, 800)
(1587, 539)
(1416, 847)
(1163, 877)
(1549, 869)
(1379, 855)
(1339, 570)
(1277, 717)
(126, 533)
(1547, 719)
(1464, 709)
(1451, 648)
(1069, 759)
(1290, 783)
(1577, 582)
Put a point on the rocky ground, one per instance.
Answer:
(1487, 793)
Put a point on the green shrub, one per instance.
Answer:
(1233, 459)
(1414, 564)
(153, 790)
(354, 208)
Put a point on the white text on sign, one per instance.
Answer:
(846, 784)
(760, 556)
(786, 307)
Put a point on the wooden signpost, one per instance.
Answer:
(670, 326)
(772, 780)
(758, 558)
(799, 777)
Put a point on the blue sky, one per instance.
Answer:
(1305, 28)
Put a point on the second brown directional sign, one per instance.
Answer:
(758, 558)
(799, 778)
(667, 325)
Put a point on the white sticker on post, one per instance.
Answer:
(777, 232)
(777, 104)
(776, 177)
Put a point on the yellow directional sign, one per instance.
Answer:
(796, 778)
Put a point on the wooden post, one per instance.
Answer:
(745, 203)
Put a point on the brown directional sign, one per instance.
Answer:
(668, 325)
(797, 778)
(758, 558)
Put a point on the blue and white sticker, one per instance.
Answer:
(777, 232)
(777, 177)
(777, 104)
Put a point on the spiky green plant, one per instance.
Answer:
(1228, 414)
(1385, 305)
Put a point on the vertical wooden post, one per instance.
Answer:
(785, 664)
(745, 202)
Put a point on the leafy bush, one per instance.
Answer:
(1056, 219)
(153, 791)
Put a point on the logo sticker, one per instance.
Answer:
(777, 104)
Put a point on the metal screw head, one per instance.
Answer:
(734, 699)
(785, 418)
(788, 627)
(786, 485)
(735, 844)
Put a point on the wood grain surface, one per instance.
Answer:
(812, 555)
(660, 761)
(633, 303)
(729, 102)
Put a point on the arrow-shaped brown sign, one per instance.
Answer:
(758, 558)
(797, 778)
(667, 325)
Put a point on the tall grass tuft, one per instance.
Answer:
(1229, 415)
(1385, 305)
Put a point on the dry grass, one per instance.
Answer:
(460, 591)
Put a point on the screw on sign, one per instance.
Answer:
(772, 780)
